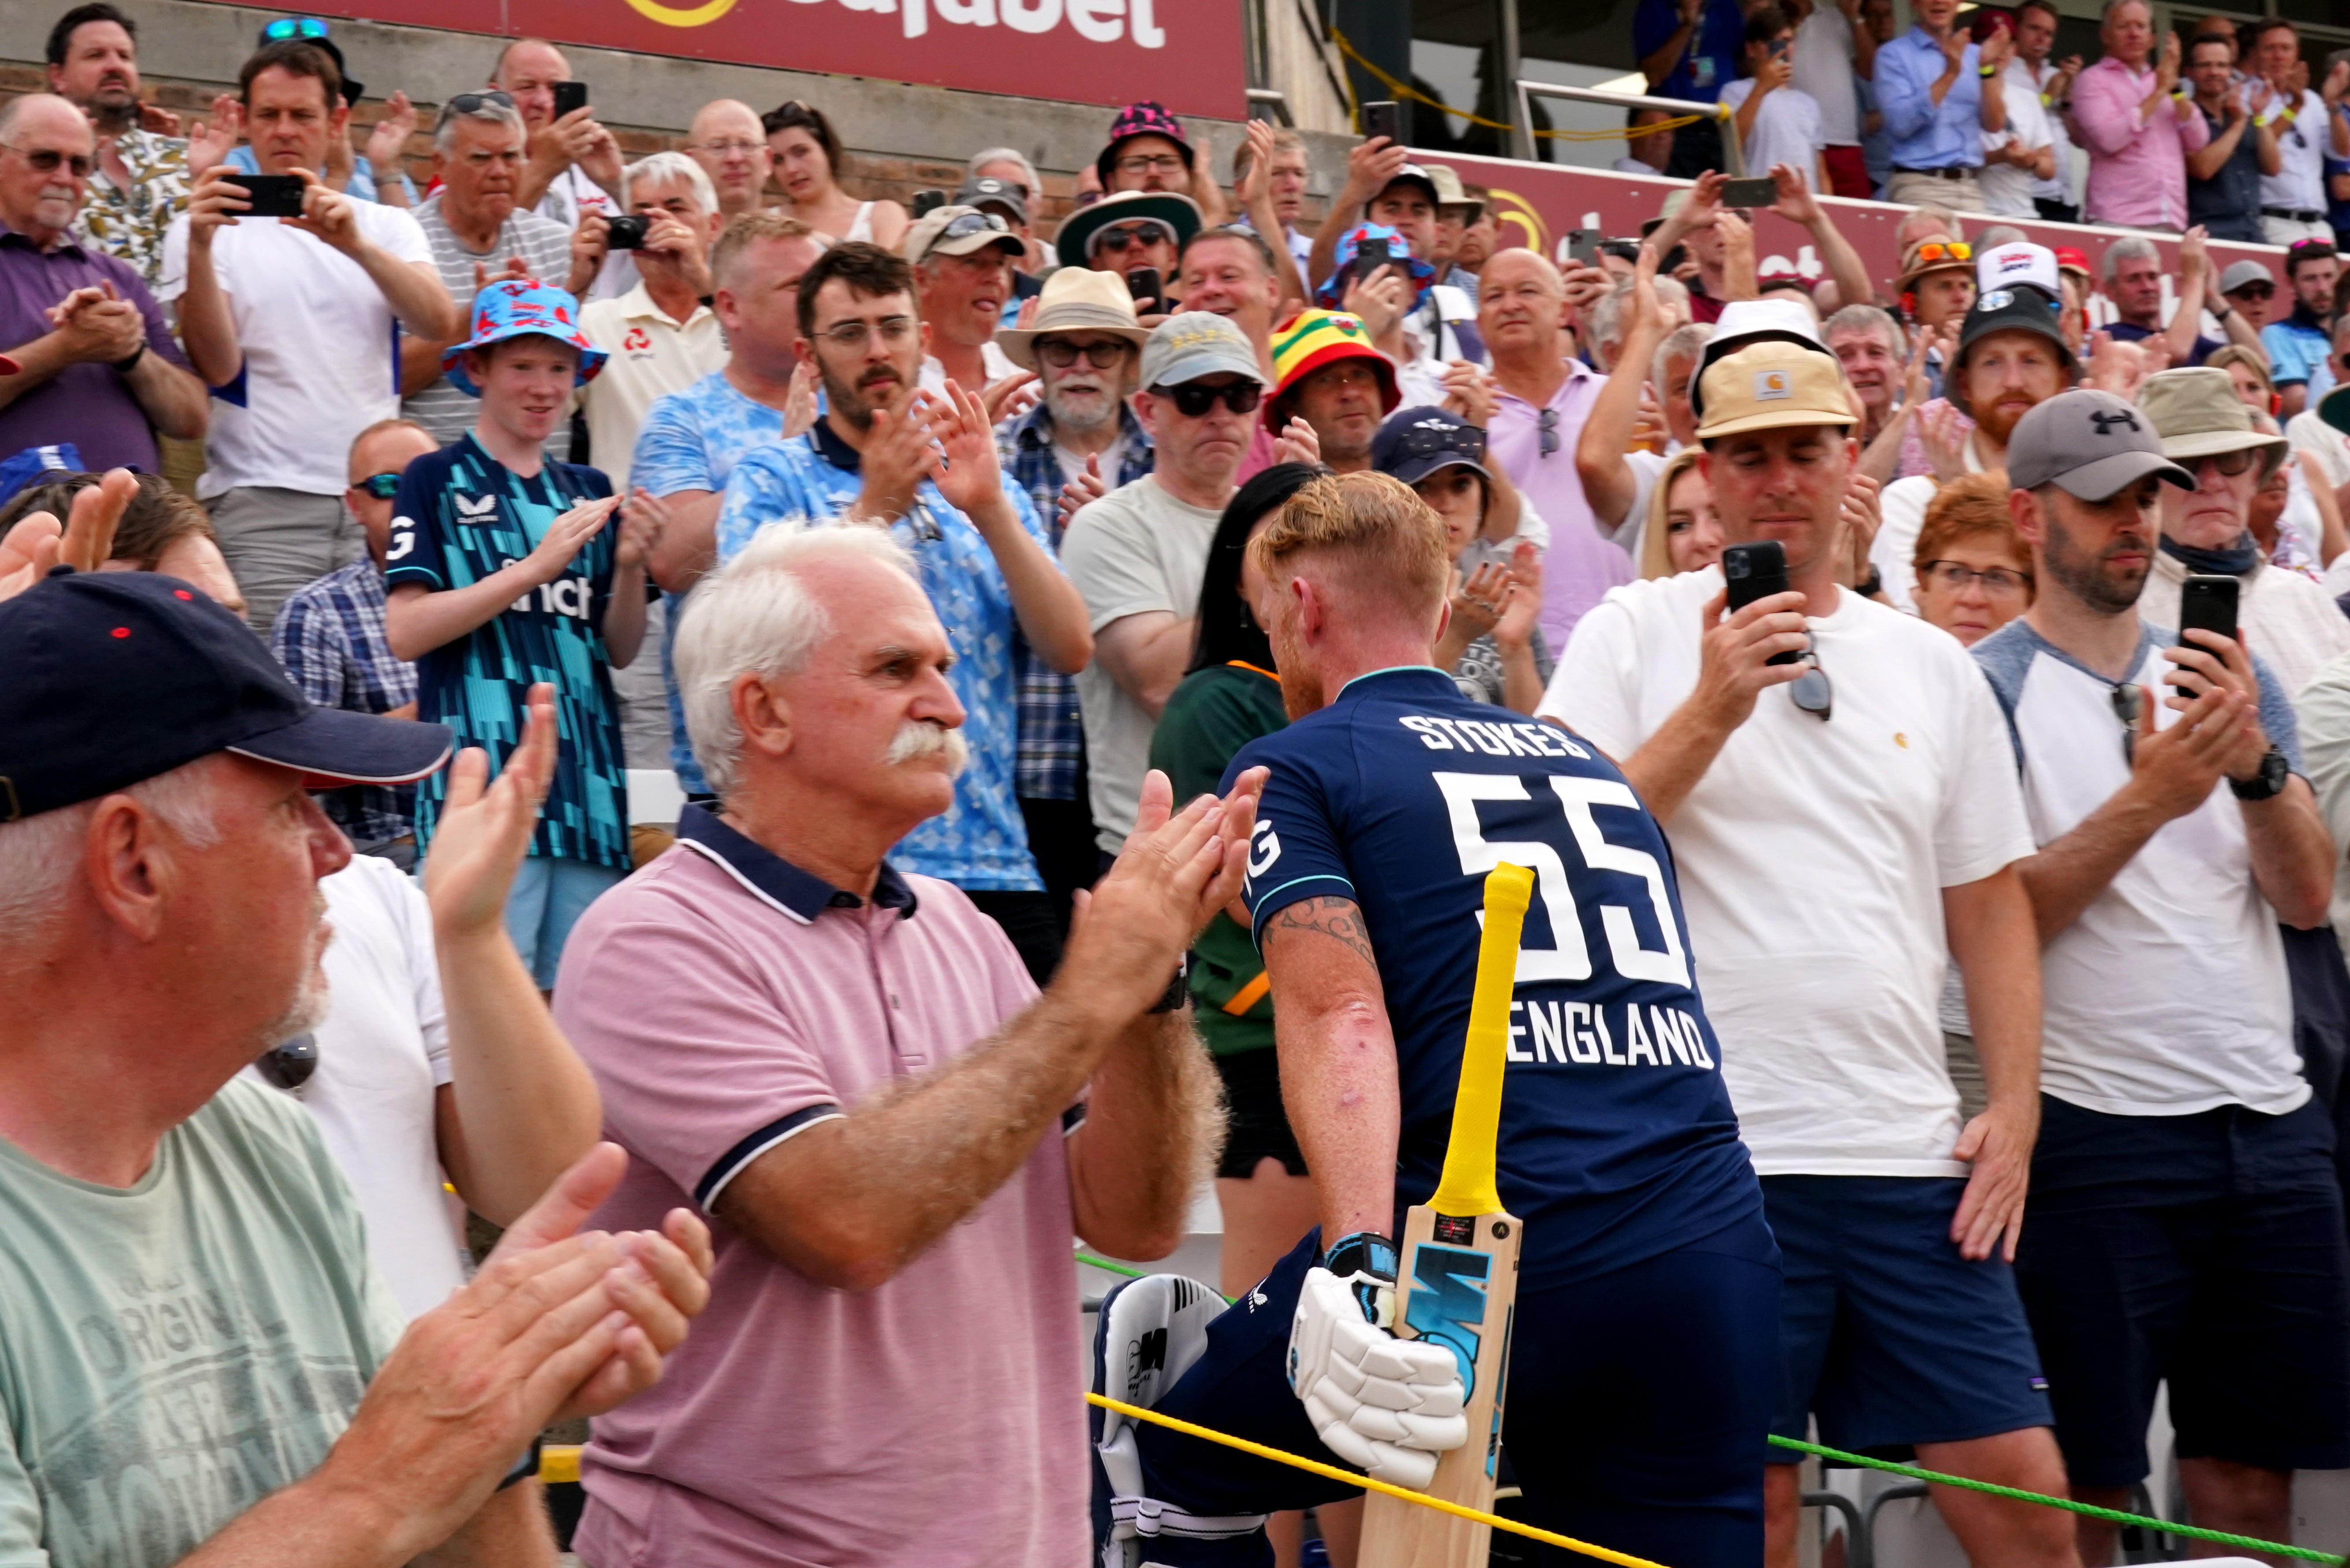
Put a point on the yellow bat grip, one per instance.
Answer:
(1467, 1187)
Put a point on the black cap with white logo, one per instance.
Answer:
(116, 677)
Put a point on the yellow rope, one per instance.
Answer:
(1134, 1412)
(1405, 89)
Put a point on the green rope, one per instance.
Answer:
(2113, 1515)
(2161, 1526)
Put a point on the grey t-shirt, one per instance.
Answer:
(545, 247)
(1136, 550)
(173, 1352)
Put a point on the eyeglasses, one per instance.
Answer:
(730, 146)
(853, 335)
(1149, 163)
(475, 102)
(290, 1066)
(286, 28)
(1060, 354)
(2230, 463)
(1427, 441)
(1945, 250)
(1955, 577)
(1194, 399)
(2129, 700)
(1116, 241)
(382, 486)
(1812, 691)
(47, 160)
(1546, 431)
(972, 223)
(2255, 291)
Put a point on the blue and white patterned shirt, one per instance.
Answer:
(980, 843)
(330, 637)
(1052, 736)
(691, 441)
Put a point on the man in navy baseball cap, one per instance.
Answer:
(117, 677)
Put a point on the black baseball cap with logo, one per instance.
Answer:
(116, 677)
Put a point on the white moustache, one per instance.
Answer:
(917, 740)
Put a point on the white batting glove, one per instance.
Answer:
(1384, 1404)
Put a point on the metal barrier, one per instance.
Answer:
(1733, 155)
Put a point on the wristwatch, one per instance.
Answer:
(2220, 311)
(1179, 989)
(2269, 782)
(125, 366)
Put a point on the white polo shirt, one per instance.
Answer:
(1811, 856)
(2299, 183)
(2169, 995)
(652, 357)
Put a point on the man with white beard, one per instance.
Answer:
(1078, 443)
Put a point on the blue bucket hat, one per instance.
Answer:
(1333, 291)
(522, 308)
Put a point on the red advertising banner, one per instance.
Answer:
(1187, 53)
(1538, 205)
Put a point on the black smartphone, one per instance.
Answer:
(1583, 247)
(1371, 256)
(928, 201)
(626, 233)
(1756, 572)
(2206, 603)
(1750, 193)
(569, 96)
(274, 195)
(1144, 283)
(1384, 117)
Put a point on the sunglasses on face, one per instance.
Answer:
(1116, 241)
(2256, 291)
(289, 1066)
(382, 486)
(48, 159)
(1060, 354)
(1945, 250)
(1194, 399)
(2230, 463)
(286, 28)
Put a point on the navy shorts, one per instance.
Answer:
(1887, 1335)
(1635, 1416)
(2207, 1249)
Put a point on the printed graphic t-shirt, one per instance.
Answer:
(460, 516)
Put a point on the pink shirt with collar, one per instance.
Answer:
(1581, 567)
(2138, 161)
(725, 1000)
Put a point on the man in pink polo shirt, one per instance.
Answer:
(2138, 128)
(849, 1070)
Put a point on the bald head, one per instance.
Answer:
(727, 139)
(42, 204)
(1519, 263)
(526, 71)
(1521, 310)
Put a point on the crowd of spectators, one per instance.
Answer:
(929, 549)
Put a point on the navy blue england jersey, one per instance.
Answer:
(1617, 1140)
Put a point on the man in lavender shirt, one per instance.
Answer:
(2137, 129)
(1545, 397)
(95, 362)
(850, 1069)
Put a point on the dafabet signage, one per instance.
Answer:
(1184, 53)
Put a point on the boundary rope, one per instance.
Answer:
(1405, 89)
(2017, 1494)
(1134, 1412)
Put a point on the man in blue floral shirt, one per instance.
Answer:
(925, 467)
(1081, 344)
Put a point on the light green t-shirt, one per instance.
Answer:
(173, 1353)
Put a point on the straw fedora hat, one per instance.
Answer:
(1075, 299)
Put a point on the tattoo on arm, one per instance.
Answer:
(1338, 919)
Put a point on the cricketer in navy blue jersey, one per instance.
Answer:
(1617, 1140)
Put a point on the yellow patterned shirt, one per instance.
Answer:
(129, 220)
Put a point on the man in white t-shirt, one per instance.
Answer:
(294, 325)
(1835, 821)
(1834, 52)
(1137, 555)
(1777, 122)
(2019, 156)
(2186, 1224)
(481, 1090)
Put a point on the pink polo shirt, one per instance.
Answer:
(2138, 161)
(1536, 447)
(726, 999)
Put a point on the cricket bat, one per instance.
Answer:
(1457, 1279)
